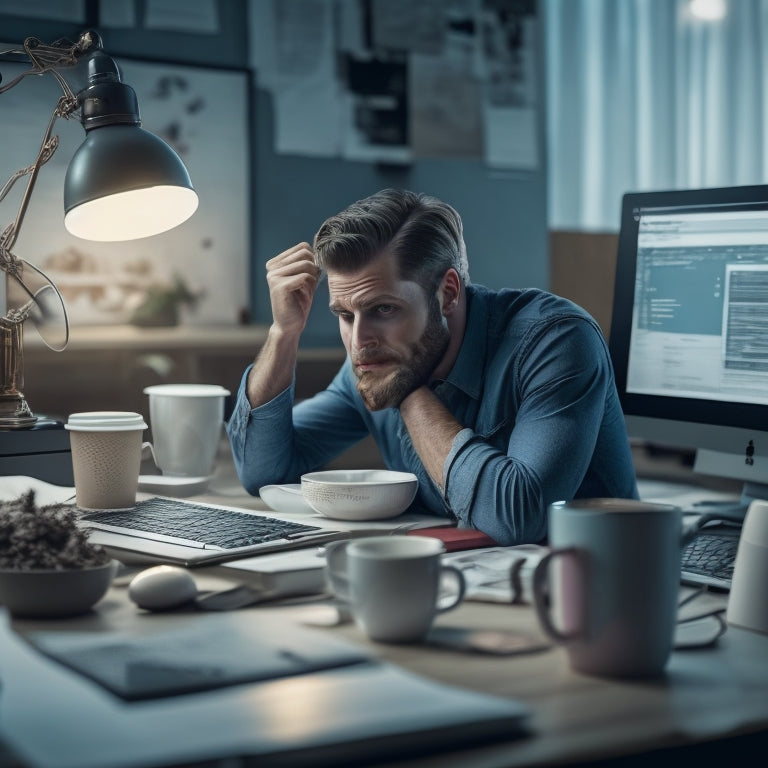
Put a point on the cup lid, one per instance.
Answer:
(186, 390)
(105, 421)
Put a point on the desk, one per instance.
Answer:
(707, 698)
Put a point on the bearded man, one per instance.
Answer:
(500, 402)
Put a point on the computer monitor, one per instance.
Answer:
(689, 333)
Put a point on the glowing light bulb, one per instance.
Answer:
(708, 10)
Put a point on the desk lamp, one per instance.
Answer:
(122, 183)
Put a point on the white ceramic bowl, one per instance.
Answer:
(359, 494)
(53, 594)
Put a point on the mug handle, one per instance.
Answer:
(540, 574)
(336, 577)
(148, 447)
(461, 587)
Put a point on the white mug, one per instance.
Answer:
(613, 578)
(747, 602)
(186, 422)
(392, 584)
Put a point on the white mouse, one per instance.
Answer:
(162, 587)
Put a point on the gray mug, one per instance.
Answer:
(613, 577)
(392, 584)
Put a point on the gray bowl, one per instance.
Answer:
(54, 594)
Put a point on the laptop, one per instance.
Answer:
(193, 533)
(164, 529)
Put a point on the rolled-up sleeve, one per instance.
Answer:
(257, 437)
(556, 388)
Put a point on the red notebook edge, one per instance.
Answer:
(456, 539)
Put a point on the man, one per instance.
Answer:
(501, 402)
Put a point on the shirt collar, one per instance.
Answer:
(466, 373)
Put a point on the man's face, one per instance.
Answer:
(394, 336)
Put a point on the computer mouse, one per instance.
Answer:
(162, 587)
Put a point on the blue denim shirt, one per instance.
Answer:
(533, 388)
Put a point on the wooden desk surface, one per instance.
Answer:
(705, 695)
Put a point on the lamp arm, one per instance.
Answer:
(48, 146)
(50, 58)
(44, 59)
(51, 148)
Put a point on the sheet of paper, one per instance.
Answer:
(510, 138)
(202, 16)
(117, 13)
(401, 24)
(292, 52)
(489, 574)
(13, 486)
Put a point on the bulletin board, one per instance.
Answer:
(393, 81)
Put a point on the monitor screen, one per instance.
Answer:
(689, 334)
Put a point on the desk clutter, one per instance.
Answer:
(282, 689)
(293, 565)
(486, 573)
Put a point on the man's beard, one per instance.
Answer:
(389, 390)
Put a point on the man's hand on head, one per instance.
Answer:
(292, 277)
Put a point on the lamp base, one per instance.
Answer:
(14, 412)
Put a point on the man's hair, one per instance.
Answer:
(423, 233)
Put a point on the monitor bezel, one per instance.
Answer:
(694, 411)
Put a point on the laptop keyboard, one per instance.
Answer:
(209, 526)
(711, 555)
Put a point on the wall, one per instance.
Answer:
(583, 269)
(504, 216)
(504, 213)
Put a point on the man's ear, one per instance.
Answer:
(450, 292)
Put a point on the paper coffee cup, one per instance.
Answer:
(106, 455)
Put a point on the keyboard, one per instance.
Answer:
(199, 525)
(709, 558)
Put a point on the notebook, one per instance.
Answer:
(204, 653)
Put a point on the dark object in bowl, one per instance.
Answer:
(54, 593)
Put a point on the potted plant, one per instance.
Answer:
(47, 565)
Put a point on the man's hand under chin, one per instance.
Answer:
(432, 429)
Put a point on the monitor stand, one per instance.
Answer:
(753, 471)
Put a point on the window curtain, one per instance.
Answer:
(640, 95)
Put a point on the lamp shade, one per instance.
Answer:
(124, 183)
